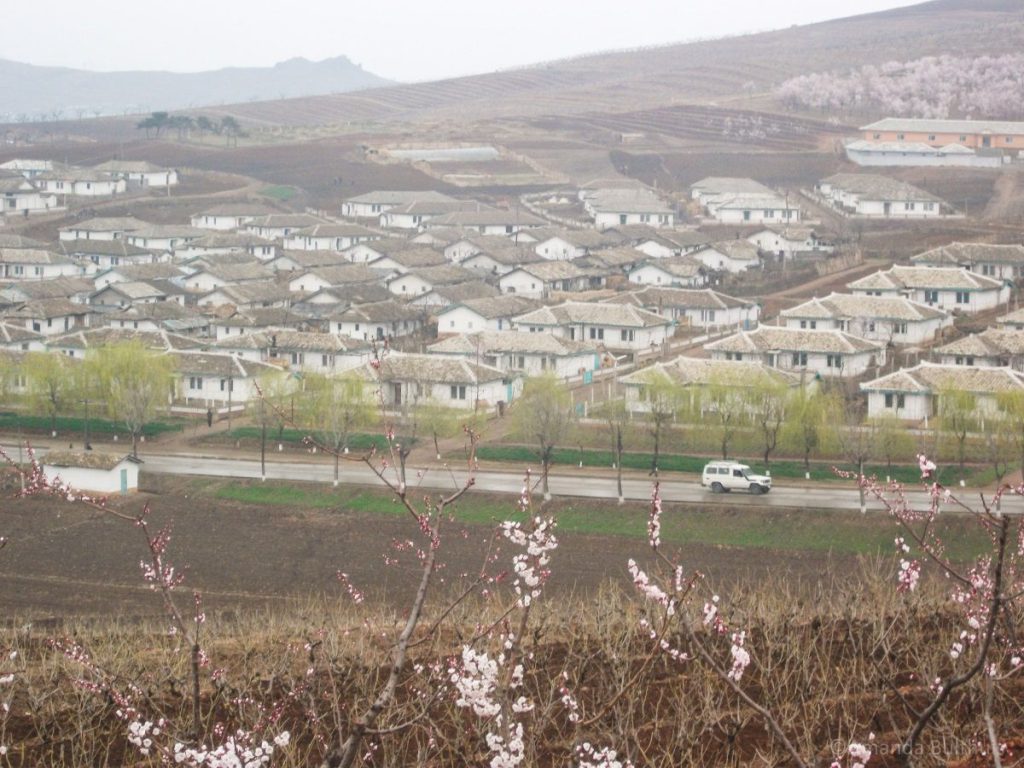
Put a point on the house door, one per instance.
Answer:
(887, 208)
(986, 141)
(124, 482)
(398, 394)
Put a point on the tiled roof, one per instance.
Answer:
(50, 308)
(414, 257)
(286, 220)
(119, 247)
(931, 278)
(727, 185)
(619, 315)
(676, 266)
(237, 209)
(211, 364)
(103, 337)
(701, 371)
(739, 250)
(920, 125)
(499, 306)
(261, 317)
(436, 368)
(231, 273)
(460, 292)
(376, 312)
(443, 274)
(344, 274)
(969, 254)
(52, 288)
(16, 334)
(768, 338)
(31, 256)
(510, 342)
(145, 271)
(335, 230)
(107, 224)
(288, 339)
(931, 377)
(310, 259)
(876, 187)
(400, 197)
(679, 298)
(988, 343)
(842, 306)
(491, 217)
(253, 292)
(85, 459)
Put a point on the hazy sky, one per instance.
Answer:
(405, 40)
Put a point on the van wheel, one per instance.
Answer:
(716, 488)
(756, 489)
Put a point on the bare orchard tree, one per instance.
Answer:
(855, 437)
(543, 414)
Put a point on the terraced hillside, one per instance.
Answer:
(700, 72)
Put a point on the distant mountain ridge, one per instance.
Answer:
(30, 92)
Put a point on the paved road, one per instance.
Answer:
(587, 483)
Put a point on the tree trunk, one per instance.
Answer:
(263, 451)
(545, 465)
(618, 461)
(437, 448)
(860, 487)
(135, 443)
(337, 461)
(657, 448)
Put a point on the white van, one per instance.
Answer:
(722, 476)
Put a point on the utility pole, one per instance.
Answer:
(231, 387)
(88, 442)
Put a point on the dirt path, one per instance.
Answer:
(1007, 204)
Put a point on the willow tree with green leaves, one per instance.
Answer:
(337, 407)
(1011, 409)
(893, 440)
(664, 398)
(957, 417)
(726, 405)
(50, 384)
(543, 414)
(136, 382)
(805, 426)
(616, 415)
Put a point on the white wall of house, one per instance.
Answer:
(312, 361)
(911, 209)
(522, 284)
(741, 215)
(613, 337)
(106, 481)
(206, 389)
(453, 395)
(652, 274)
(715, 259)
(221, 223)
(363, 210)
(203, 282)
(909, 406)
(557, 249)
(606, 219)
(15, 271)
(716, 317)
(409, 285)
(465, 320)
(374, 330)
(307, 282)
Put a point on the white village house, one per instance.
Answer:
(617, 327)
(915, 394)
(528, 354)
(947, 288)
(491, 314)
(1000, 261)
(702, 308)
(828, 353)
(889, 319)
(870, 195)
(449, 381)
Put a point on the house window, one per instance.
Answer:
(963, 297)
(769, 213)
(988, 269)
(895, 400)
(226, 385)
(963, 138)
(799, 359)
(931, 137)
(597, 333)
(899, 328)
(929, 206)
(876, 136)
(627, 335)
(931, 297)
(458, 391)
(834, 361)
(900, 136)
(733, 355)
(195, 382)
(908, 206)
(323, 360)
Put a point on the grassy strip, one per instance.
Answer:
(717, 526)
(822, 471)
(10, 422)
(356, 442)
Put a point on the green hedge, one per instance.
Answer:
(521, 454)
(10, 422)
